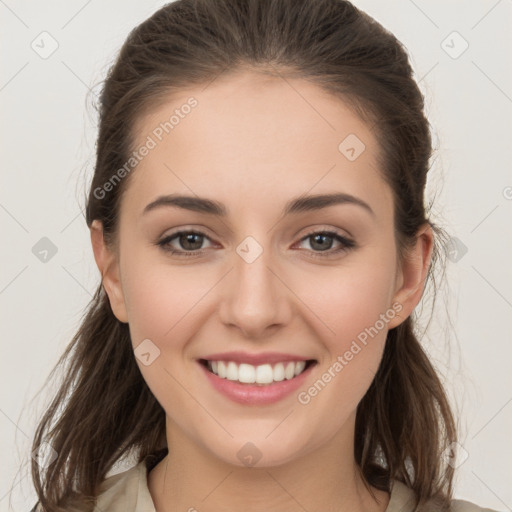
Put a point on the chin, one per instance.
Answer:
(258, 453)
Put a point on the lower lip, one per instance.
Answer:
(250, 394)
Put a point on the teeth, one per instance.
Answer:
(289, 371)
(299, 367)
(246, 373)
(262, 374)
(279, 372)
(221, 369)
(232, 371)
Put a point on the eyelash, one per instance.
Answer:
(346, 244)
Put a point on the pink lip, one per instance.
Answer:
(252, 394)
(255, 359)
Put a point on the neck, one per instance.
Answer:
(192, 478)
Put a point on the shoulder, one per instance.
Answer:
(402, 500)
(126, 491)
(467, 506)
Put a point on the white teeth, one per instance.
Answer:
(299, 367)
(262, 374)
(289, 371)
(279, 372)
(232, 371)
(221, 369)
(246, 373)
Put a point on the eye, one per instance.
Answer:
(190, 242)
(322, 242)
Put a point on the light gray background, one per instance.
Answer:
(47, 152)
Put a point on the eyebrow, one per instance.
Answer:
(298, 205)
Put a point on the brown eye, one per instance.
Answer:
(190, 241)
(322, 241)
(187, 243)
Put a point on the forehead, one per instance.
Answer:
(255, 136)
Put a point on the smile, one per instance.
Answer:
(263, 374)
(256, 380)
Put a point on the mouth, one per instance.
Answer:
(265, 374)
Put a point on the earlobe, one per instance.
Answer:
(413, 274)
(108, 266)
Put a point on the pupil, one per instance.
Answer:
(190, 238)
(323, 237)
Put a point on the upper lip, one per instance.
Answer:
(256, 359)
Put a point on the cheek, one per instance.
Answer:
(159, 296)
(348, 299)
(355, 307)
(162, 301)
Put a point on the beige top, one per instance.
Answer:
(128, 492)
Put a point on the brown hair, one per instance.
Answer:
(104, 409)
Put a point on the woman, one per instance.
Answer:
(257, 216)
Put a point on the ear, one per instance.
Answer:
(412, 274)
(108, 265)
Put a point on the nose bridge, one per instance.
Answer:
(254, 299)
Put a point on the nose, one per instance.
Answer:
(255, 299)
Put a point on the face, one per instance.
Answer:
(272, 287)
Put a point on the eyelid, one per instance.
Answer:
(196, 228)
(325, 228)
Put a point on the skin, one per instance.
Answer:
(253, 143)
